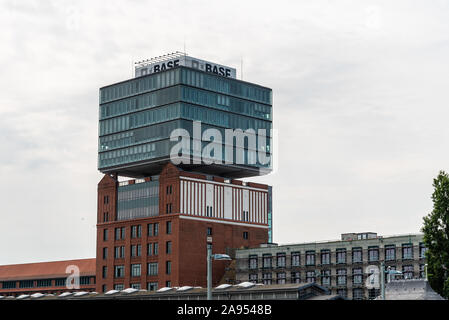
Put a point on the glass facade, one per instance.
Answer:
(137, 116)
(138, 200)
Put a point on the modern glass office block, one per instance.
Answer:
(145, 119)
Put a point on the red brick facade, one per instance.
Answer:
(187, 258)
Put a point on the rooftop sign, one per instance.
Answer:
(173, 60)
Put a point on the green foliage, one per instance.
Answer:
(436, 236)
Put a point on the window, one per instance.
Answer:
(136, 250)
(168, 247)
(280, 278)
(136, 286)
(169, 189)
(120, 233)
(373, 293)
(119, 271)
(135, 270)
(310, 258)
(342, 293)
(245, 235)
(341, 255)
(9, 284)
(105, 253)
(407, 271)
(26, 284)
(253, 262)
(209, 231)
(106, 199)
(105, 234)
(60, 282)
(310, 276)
(105, 272)
(152, 286)
(103, 288)
(43, 283)
(136, 231)
(119, 252)
(105, 216)
(357, 294)
(168, 227)
(156, 229)
(357, 276)
(390, 253)
(341, 277)
(422, 271)
(373, 254)
(153, 249)
(119, 286)
(326, 277)
(168, 267)
(84, 280)
(266, 278)
(422, 250)
(266, 260)
(150, 228)
(152, 269)
(168, 284)
(296, 259)
(280, 260)
(325, 257)
(407, 251)
(168, 208)
(253, 277)
(357, 255)
(295, 277)
(245, 216)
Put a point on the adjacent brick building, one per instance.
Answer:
(46, 277)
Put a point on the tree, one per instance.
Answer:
(436, 236)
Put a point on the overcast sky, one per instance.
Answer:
(360, 101)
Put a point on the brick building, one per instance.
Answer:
(169, 248)
(45, 277)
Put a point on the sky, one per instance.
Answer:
(360, 104)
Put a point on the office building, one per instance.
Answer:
(343, 266)
(166, 129)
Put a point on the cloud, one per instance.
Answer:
(360, 100)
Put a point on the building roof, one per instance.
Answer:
(410, 289)
(44, 270)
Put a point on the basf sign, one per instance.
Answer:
(150, 67)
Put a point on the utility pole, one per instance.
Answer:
(382, 280)
(209, 271)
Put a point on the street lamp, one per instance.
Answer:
(389, 272)
(210, 256)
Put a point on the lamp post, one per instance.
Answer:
(210, 256)
(389, 272)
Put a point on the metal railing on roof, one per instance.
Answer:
(164, 57)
